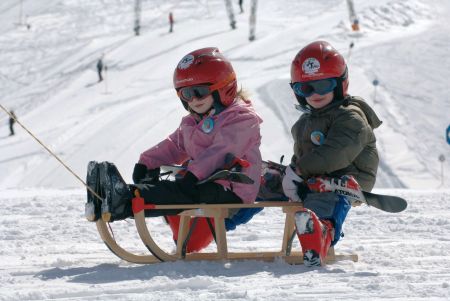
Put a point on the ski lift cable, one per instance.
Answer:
(51, 153)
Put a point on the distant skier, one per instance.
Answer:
(100, 68)
(12, 120)
(240, 6)
(220, 120)
(333, 138)
(171, 22)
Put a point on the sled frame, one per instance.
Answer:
(218, 212)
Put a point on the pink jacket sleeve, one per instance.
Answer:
(237, 135)
(169, 151)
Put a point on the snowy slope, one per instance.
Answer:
(48, 76)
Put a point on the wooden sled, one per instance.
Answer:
(218, 213)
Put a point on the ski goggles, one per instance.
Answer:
(188, 93)
(321, 87)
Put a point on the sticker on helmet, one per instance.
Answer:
(310, 65)
(317, 137)
(186, 61)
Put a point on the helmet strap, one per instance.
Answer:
(217, 105)
(339, 90)
(185, 105)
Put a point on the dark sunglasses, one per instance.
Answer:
(187, 94)
(321, 87)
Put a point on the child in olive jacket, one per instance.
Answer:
(333, 138)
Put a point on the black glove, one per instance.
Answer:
(303, 190)
(142, 175)
(187, 184)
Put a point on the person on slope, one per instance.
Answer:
(11, 121)
(220, 120)
(333, 138)
(171, 22)
(100, 67)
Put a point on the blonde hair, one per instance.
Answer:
(243, 94)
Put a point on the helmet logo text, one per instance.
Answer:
(310, 65)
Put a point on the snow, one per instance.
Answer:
(47, 75)
(49, 252)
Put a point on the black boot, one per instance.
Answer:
(92, 208)
(117, 201)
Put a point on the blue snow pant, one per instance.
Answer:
(242, 216)
(329, 206)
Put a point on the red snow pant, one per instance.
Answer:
(201, 235)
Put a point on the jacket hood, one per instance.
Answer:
(372, 117)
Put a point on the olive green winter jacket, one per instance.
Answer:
(338, 140)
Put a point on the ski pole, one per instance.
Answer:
(51, 153)
(106, 79)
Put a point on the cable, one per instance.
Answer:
(51, 153)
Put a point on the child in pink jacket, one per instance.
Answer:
(220, 121)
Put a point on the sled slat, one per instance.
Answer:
(183, 230)
(221, 234)
(289, 227)
(229, 206)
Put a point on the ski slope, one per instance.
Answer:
(48, 77)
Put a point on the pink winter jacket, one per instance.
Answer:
(236, 130)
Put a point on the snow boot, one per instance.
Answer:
(117, 194)
(92, 208)
(315, 237)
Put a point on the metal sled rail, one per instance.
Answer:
(218, 213)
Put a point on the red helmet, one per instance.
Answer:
(319, 60)
(207, 66)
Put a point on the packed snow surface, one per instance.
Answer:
(48, 77)
(49, 252)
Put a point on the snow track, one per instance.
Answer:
(48, 251)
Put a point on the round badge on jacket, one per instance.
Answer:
(208, 125)
(317, 137)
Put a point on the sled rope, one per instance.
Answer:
(51, 153)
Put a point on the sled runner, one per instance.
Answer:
(218, 213)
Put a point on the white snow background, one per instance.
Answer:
(48, 251)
